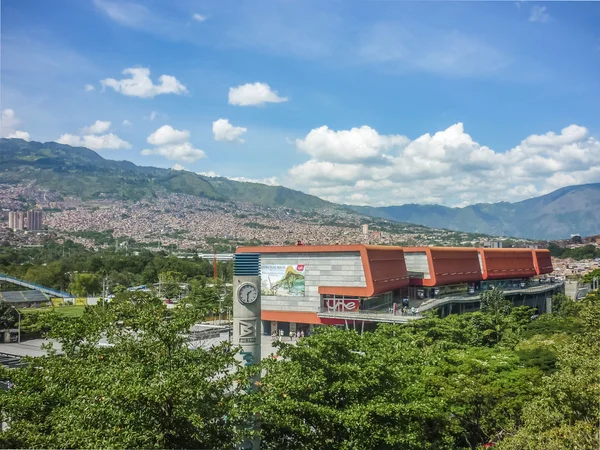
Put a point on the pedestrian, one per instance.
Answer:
(302, 334)
(417, 311)
(412, 310)
(291, 335)
(281, 335)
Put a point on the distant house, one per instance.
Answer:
(492, 244)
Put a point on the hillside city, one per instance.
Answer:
(187, 222)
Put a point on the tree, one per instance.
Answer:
(203, 297)
(170, 282)
(498, 307)
(339, 390)
(146, 390)
(8, 317)
(563, 304)
(85, 284)
(589, 277)
(565, 415)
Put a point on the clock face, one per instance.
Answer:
(247, 293)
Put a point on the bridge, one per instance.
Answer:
(28, 284)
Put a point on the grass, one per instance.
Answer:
(66, 311)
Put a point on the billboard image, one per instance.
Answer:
(282, 280)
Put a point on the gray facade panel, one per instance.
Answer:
(417, 262)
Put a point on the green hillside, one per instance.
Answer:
(83, 173)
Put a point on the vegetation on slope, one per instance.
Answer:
(82, 173)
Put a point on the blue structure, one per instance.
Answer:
(34, 286)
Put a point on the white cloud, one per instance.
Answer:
(199, 17)
(140, 84)
(98, 127)
(9, 121)
(348, 145)
(173, 144)
(20, 135)
(539, 14)
(421, 48)
(209, 174)
(447, 167)
(254, 94)
(9, 125)
(166, 135)
(126, 13)
(95, 142)
(178, 166)
(224, 131)
(89, 88)
(177, 152)
(270, 181)
(126, 123)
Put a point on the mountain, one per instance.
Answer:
(83, 173)
(566, 211)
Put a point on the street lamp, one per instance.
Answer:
(19, 314)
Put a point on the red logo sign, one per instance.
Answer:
(300, 267)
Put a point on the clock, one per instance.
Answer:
(247, 293)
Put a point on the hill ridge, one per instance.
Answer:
(82, 172)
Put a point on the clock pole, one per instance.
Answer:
(246, 320)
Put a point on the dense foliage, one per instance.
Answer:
(71, 267)
(145, 388)
(502, 376)
(494, 377)
(586, 252)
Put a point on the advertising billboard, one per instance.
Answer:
(282, 280)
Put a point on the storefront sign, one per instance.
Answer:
(341, 305)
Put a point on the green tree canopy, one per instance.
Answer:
(85, 284)
(145, 388)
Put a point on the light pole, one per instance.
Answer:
(19, 314)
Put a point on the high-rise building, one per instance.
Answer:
(16, 220)
(34, 220)
(365, 229)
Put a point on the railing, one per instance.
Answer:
(382, 315)
(39, 287)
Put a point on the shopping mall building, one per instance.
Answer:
(359, 285)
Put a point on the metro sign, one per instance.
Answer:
(247, 331)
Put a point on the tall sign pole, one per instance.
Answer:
(246, 317)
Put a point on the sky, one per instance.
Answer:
(359, 102)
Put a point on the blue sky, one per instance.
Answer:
(376, 102)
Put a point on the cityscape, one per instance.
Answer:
(286, 225)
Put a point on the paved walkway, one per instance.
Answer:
(28, 348)
(33, 347)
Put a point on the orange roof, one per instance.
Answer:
(384, 266)
(448, 265)
(499, 263)
(542, 261)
